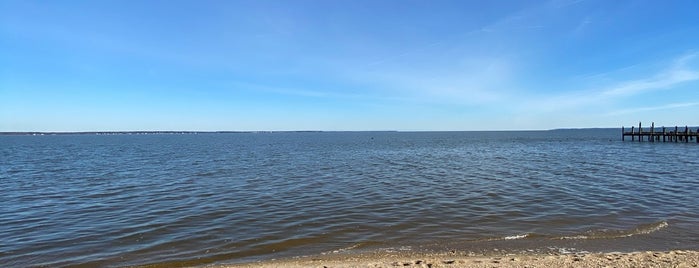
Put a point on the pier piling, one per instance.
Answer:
(667, 136)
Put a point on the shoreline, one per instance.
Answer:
(673, 258)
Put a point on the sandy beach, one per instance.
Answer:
(675, 258)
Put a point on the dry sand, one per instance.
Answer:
(675, 258)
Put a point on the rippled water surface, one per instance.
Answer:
(193, 199)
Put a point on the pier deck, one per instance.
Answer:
(666, 135)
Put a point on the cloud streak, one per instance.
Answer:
(678, 73)
(670, 106)
(681, 71)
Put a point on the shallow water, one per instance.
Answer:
(192, 199)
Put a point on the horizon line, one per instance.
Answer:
(264, 131)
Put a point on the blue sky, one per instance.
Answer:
(346, 65)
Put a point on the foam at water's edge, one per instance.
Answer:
(652, 228)
(592, 234)
(513, 237)
(609, 234)
(353, 246)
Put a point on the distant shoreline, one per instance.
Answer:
(144, 132)
(148, 132)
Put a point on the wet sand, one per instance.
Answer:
(675, 258)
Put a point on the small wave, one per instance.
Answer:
(609, 234)
(652, 227)
(564, 250)
(394, 250)
(513, 237)
(354, 246)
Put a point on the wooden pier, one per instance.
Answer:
(666, 135)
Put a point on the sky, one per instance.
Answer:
(339, 65)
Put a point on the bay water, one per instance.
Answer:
(215, 198)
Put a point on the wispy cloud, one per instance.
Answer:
(654, 108)
(404, 54)
(282, 90)
(582, 26)
(535, 17)
(565, 3)
(468, 81)
(680, 72)
(522, 20)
